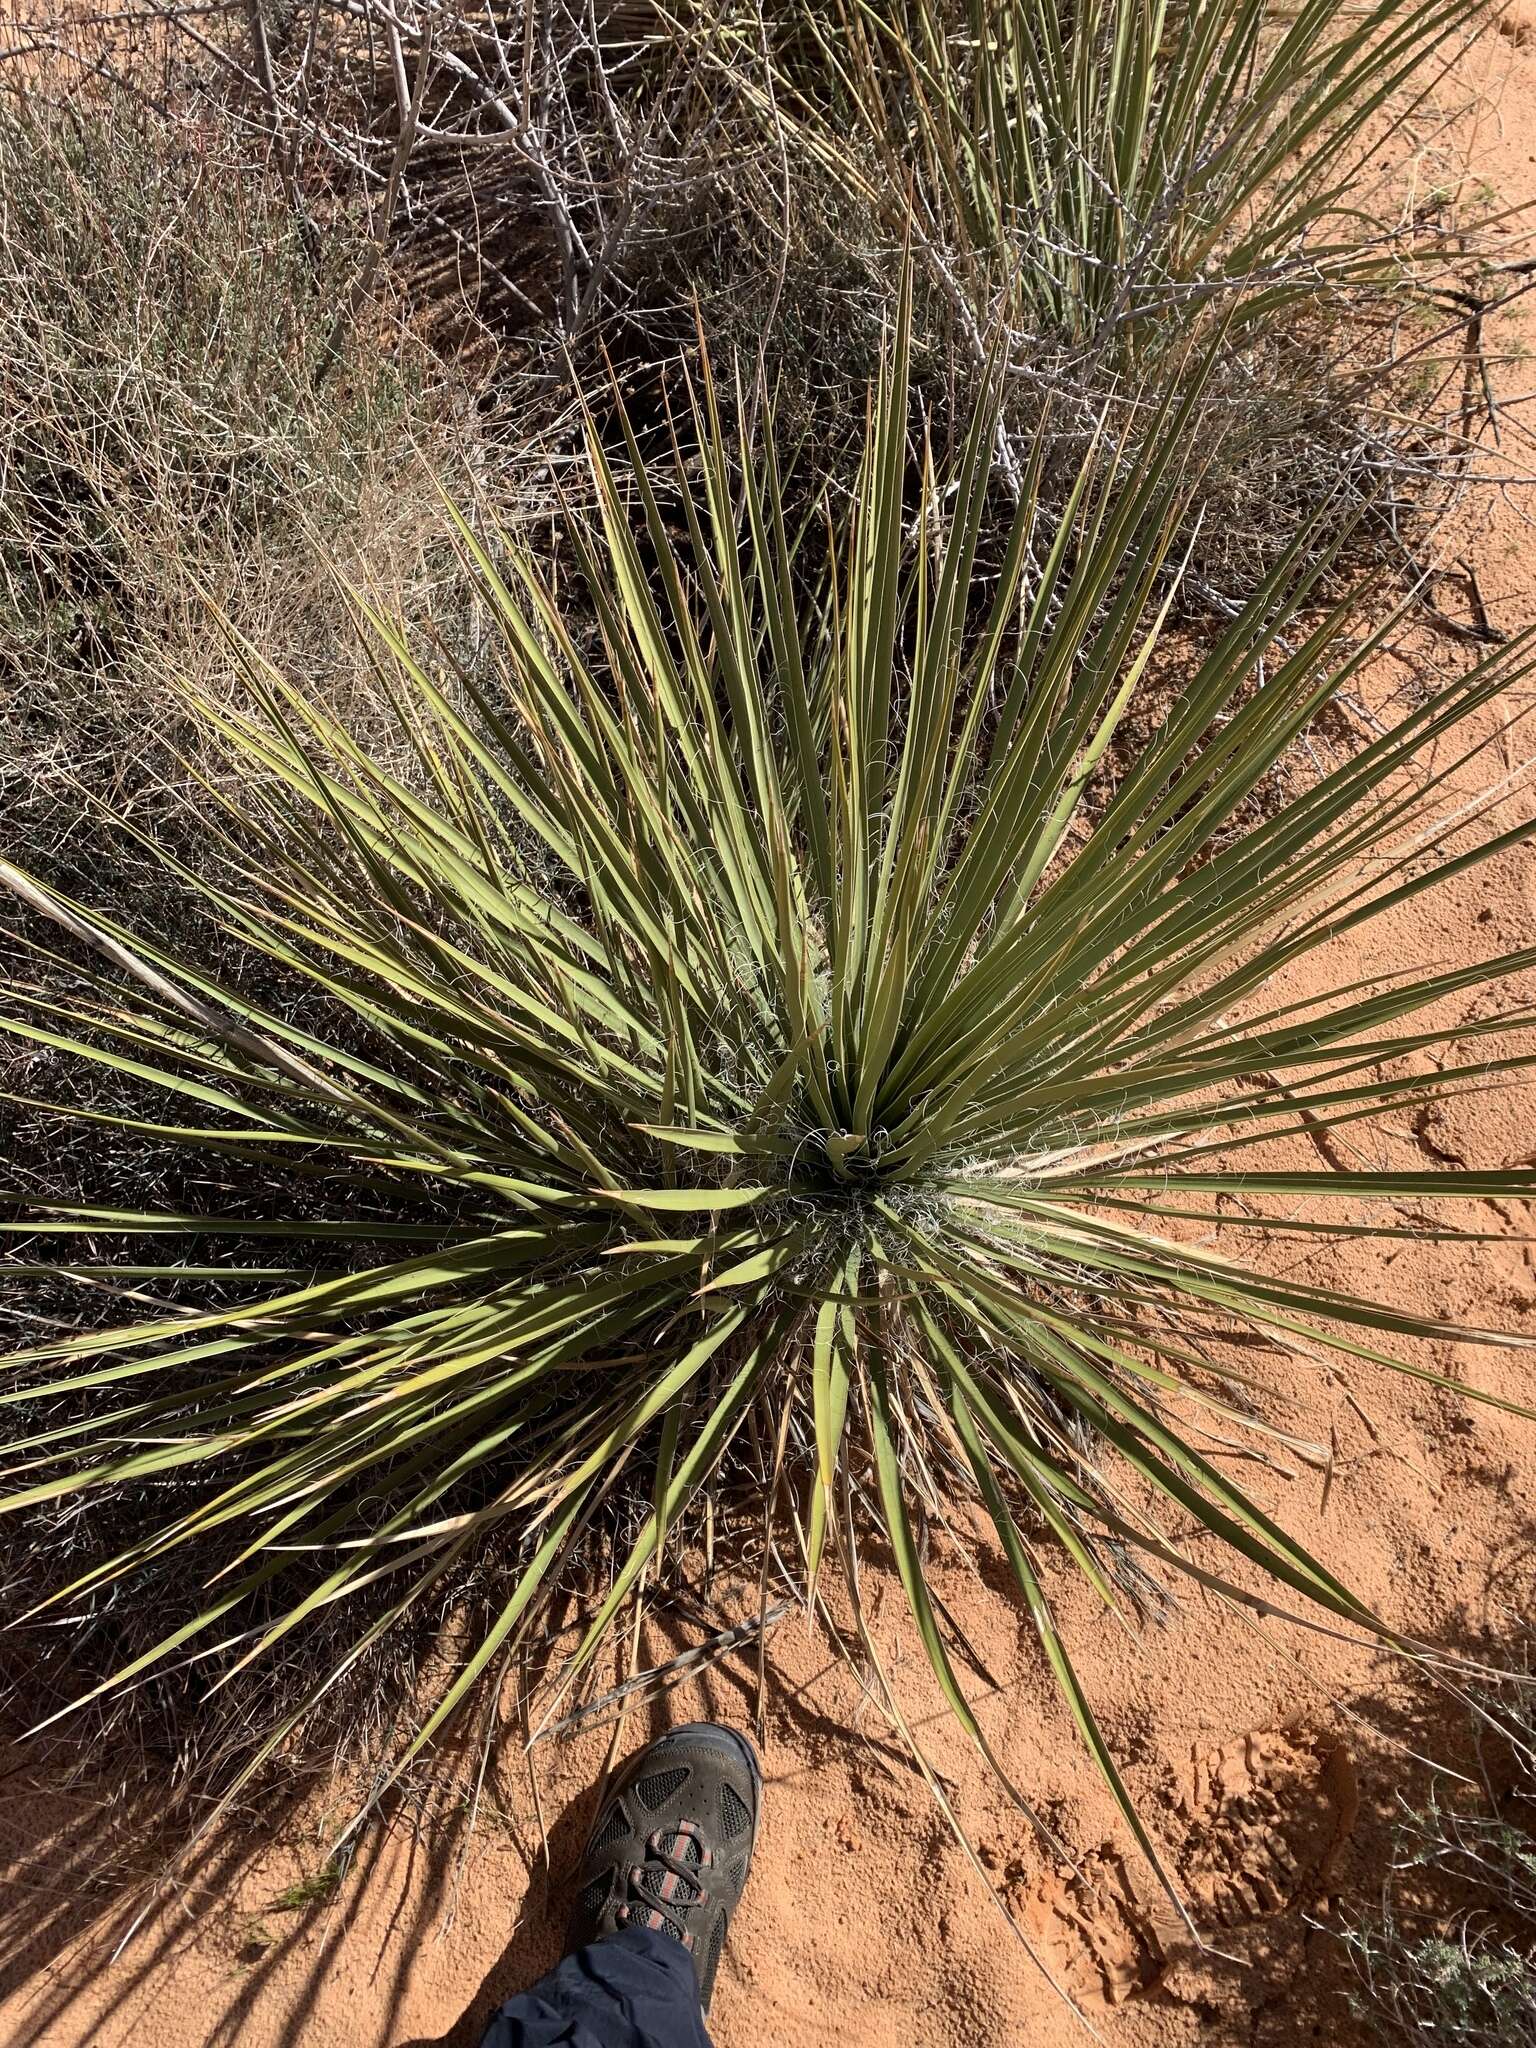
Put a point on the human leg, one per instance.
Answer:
(660, 1881)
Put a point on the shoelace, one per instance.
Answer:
(652, 1899)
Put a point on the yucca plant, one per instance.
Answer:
(775, 1039)
(1099, 171)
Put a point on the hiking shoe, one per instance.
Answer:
(671, 1844)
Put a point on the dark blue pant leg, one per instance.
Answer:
(633, 1989)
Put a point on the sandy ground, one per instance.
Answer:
(1267, 1764)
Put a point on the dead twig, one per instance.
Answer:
(662, 1677)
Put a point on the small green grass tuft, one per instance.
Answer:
(305, 1892)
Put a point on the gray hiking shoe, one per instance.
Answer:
(672, 1843)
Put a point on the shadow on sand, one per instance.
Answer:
(85, 1859)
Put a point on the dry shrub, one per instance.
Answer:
(187, 406)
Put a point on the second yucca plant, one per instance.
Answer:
(1096, 173)
(743, 1030)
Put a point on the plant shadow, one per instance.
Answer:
(87, 1858)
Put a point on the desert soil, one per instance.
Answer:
(1269, 1762)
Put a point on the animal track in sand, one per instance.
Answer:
(1097, 1937)
(1267, 1815)
(1264, 1819)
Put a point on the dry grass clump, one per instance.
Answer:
(1448, 1956)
